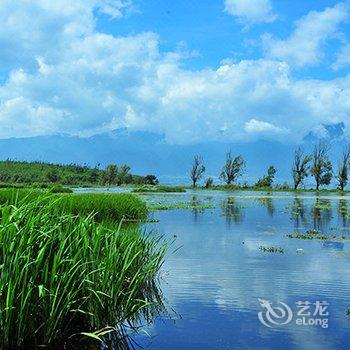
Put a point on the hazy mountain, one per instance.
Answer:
(149, 153)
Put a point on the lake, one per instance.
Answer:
(212, 283)
(217, 279)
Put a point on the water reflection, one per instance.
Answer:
(298, 213)
(321, 213)
(219, 273)
(232, 211)
(197, 208)
(343, 212)
(267, 202)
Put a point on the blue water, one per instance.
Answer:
(212, 284)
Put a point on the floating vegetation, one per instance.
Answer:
(313, 234)
(272, 249)
(337, 228)
(159, 189)
(180, 205)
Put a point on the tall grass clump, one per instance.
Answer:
(105, 206)
(62, 274)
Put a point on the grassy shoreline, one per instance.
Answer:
(69, 271)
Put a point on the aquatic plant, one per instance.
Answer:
(314, 234)
(159, 189)
(62, 275)
(271, 249)
(180, 205)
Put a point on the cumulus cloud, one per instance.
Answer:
(88, 82)
(343, 58)
(252, 11)
(305, 45)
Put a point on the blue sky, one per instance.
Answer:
(230, 70)
(205, 27)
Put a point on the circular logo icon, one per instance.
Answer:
(274, 315)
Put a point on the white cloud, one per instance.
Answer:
(115, 8)
(88, 82)
(305, 45)
(343, 58)
(259, 126)
(56, 24)
(252, 11)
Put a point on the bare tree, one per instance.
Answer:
(321, 168)
(197, 170)
(300, 167)
(232, 169)
(343, 169)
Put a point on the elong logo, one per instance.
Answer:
(308, 313)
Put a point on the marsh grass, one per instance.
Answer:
(63, 275)
(105, 206)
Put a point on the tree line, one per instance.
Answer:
(22, 172)
(317, 164)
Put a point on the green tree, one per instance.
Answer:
(197, 170)
(232, 169)
(321, 168)
(150, 180)
(301, 167)
(110, 174)
(123, 175)
(94, 174)
(267, 180)
(343, 169)
(53, 175)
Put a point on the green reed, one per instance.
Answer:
(106, 206)
(63, 274)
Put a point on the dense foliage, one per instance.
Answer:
(15, 172)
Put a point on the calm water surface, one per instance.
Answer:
(214, 281)
(212, 284)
